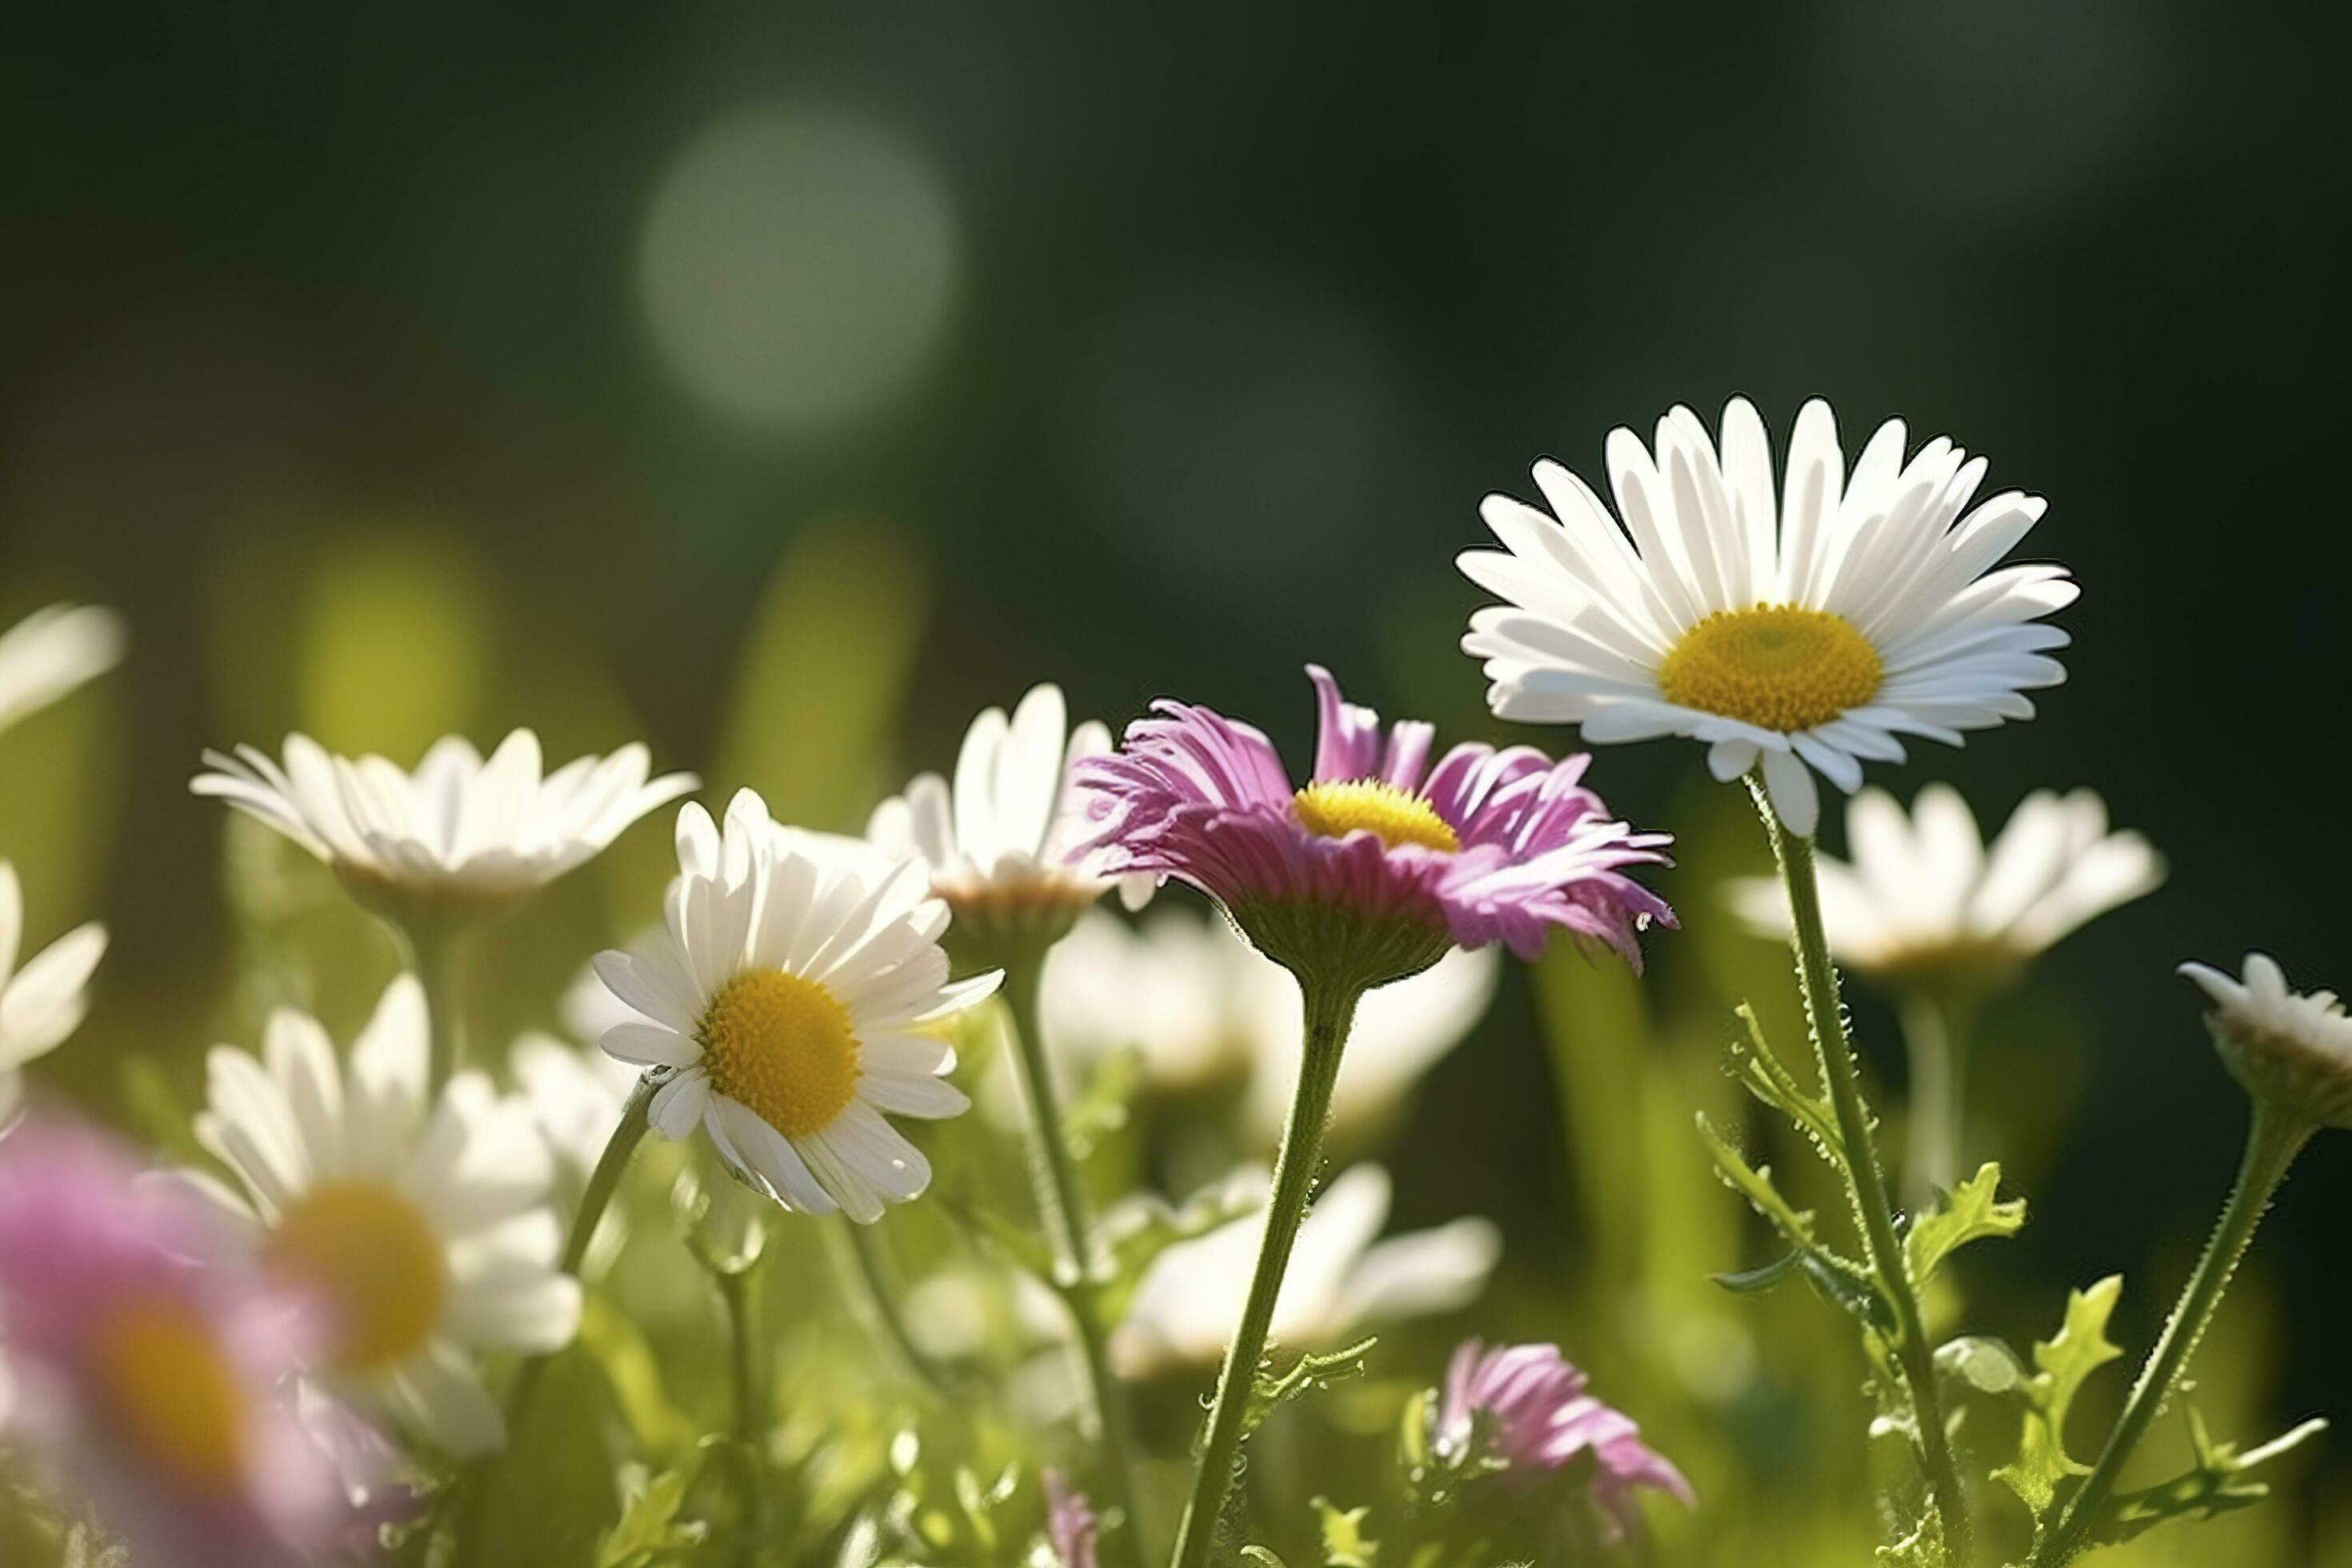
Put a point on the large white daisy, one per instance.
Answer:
(50, 652)
(999, 842)
(1201, 1005)
(1806, 634)
(458, 830)
(45, 1000)
(425, 1229)
(788, 1003)
(1925, 900)
(1342, 1277)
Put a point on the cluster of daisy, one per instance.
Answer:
(301, 1345)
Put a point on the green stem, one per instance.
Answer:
(738, 1289)
(438, 954)
(1936, 1036)
(1329, 1011)
(2273, 1140)
(869, 1257)
(1069, 1226)
(1867, 1181)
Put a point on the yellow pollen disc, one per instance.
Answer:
(370, 1253)
(782, 1045)
(1399, 816)
(163, 1377)
(1776, 666)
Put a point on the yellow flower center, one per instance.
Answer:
(782, 1046)
(1777, 667)
(370, 1253)
(1338, 809)
(162, 1374)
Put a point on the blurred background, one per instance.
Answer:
(782, 383)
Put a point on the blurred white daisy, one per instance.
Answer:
(50, 652)
(1924, 900)
(1341, 1280)
(2286, 1046)
(997, 845)
(459, 832)
(45, 1000)
(424, 1228)
(1806, 634)
(576, 1092)
(788, 1002)
(1201, 1005)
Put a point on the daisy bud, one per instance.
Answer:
(2291, 1050)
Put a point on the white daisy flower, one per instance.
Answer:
(1806, 635)
(44, 1001)
(424, 1228)
(1201, 1004)
(2288, 1047)
(50, 652)
(1342, 1277)
(997, 845)
(789, 1003)
(459, 831)
(1924, 899)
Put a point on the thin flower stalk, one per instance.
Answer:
(1330, 1009)
(2274, 1138)
(1865, 1180)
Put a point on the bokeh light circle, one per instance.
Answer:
(798, 266)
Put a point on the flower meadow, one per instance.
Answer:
(1015, 1181)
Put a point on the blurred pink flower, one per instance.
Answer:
(1486, 846)
(148, 1374)
(1070, 1524)
(1543, 1419)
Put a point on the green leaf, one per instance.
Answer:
(1971, 1211)
(549, 1497)
(649, 1533)
(2216, 1484)
(1308, 1373)
(1756, 1070)
(2080, 1348)
(634, 1374)
(1839, 1280)
(1345, 1543)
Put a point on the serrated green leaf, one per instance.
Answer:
(2217, 1483)
(1972, 1211)
(1756, 1068)
(1310, 1371)
(649, 1534)
(1345, 1542)
(2080, 1348)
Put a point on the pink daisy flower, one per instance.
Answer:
(1542, 1418)
(149, 1377)
(1485, 846)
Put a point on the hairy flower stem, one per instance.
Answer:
(1329, 1011)
(1866, 1180)
(2273, 1140)
(1062, 1209)
(1936, 1034)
